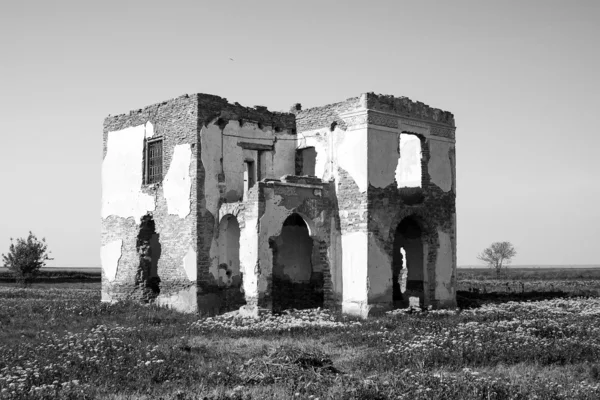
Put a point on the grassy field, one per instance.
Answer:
(482, 285)
(63, 343)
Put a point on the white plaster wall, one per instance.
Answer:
(249, 256)
(216, 144)
(110, 254)
(440, 167)
(271, 224)
(335, 255)
(233, 166)
(443, 267)
(122, 175)
(355, 262)
(319, 139)
(189, 264)
(284, 157)
(380, 272)
(275, 213)
(351, 155)
(182, 301)
(408, 170)
(210, 142)
(383, 157)
(274, 164)
(178, 182)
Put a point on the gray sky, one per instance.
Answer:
(521, 78)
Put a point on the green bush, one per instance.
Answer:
(25, 258)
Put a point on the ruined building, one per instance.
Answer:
(208, 206)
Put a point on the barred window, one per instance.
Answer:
(154, 153)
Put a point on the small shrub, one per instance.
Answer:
(26, 257)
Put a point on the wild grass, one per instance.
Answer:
(65, 343)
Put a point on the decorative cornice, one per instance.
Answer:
(445, 132)
(411, 122)
(359, 119)
(380, 119)
(393, 121)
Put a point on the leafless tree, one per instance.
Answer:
(498, 255)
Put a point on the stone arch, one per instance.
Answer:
(297, 280)
(414, 245)
(310, 224)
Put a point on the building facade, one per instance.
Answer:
(208, 206)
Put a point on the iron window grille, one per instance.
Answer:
(154, 158)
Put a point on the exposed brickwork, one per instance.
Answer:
(352, 204)
(435, 211)
(175, 121)
(213, 107)
(318, 117)
(406, 107)
(330, 208)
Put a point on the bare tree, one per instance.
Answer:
(498, 255)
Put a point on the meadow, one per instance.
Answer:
(63, 343)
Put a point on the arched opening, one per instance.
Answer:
(149, 250)
(230, 277)
(229, 252)
(408, 270)
(297, 267)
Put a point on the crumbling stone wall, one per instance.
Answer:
(214, 150)
(229, 134)
(310, 199)
(125, 207)
(371, 206)
(432, 205)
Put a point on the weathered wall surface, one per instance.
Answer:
(229, 135)
(430, 202)
(310, 200)
(368, 183)
(172, 204)
(379, 181)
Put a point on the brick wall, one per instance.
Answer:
(175, 121)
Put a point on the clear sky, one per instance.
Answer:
(521, 77)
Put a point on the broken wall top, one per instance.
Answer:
(377, 109)
(210, 108)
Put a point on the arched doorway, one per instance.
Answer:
(408, 270)
(297, 269)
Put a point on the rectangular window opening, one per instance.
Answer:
(409, 170)
(249, 174)
(306, 160)
(154, 161)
